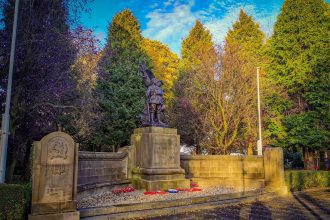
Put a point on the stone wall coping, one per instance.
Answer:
(218, 157)
(153, 129)
(162, 171)
(101, 155)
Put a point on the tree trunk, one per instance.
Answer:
(26, 163)
(198, 150)
(10, 170)
(308, 159)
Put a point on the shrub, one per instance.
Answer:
(293, 159)
(298, 180)
(15, 201)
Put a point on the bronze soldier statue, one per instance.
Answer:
(154, 100)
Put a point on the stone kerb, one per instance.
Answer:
(54, 178)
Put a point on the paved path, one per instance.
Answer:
(313, 204)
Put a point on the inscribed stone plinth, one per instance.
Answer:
(157, 154)
(54, 181)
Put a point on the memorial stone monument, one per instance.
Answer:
(54, 178)
(156, 147)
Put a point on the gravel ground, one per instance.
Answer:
(109, 198)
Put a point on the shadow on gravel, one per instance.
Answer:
(259, 211)
(306, 206)
(254, 211)
(316, 203)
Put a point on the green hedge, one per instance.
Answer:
(298, 180)
(15, 201)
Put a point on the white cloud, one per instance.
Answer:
(169, 2)
(219, 27)
(267, 22)
(171, 27)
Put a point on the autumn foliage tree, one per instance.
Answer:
(81, 124)
(225, 88)
(187, 113)
(245, 41)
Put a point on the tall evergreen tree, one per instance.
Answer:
(246, 36)
(120, 85)
(197, 52)
(299, 52)
(196, 44)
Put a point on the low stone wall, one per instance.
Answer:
(98, 171)
(237, 171)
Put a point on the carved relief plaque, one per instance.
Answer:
(55, 172)
(57, 148)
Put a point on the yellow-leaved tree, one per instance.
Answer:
(85, 71)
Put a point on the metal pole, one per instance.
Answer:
(1, 139)
(5, 125)
(259, 144)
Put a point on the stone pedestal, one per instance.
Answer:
(274, 170)
(157, 159)
(54, 178)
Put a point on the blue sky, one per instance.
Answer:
(169, 21)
